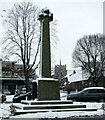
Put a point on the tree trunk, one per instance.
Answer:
(27, 82)
(26, 74)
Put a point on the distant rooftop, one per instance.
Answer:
(78, 76)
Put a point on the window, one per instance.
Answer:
(6, 74)
(5, 87)
(86, 92)
(94, 91)
(101, 91)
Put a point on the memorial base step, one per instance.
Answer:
(18, 111)
(51, 102)
(46, 106)
(57, 106)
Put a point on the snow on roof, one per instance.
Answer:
(78, 76)
(74, 77)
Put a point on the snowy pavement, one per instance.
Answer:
(5, 111)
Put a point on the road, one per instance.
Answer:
(70, 118)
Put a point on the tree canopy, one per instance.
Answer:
(21, 41)
(89, 54)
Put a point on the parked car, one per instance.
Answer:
(2, 98)
(17, 98)
(6, 92)
(89, 94)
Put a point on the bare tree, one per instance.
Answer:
(89, 54)
(22, 39)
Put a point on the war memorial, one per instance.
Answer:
(47, 88)
(46, 93)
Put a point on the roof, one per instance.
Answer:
(74, 77)
(78, 76)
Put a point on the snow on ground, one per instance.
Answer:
(5, 110)
(63, 95)
(9, 97)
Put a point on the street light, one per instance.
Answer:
(74, 72)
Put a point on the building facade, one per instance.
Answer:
(12, 76)
(79, 85)
(81, 79)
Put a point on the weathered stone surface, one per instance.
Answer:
(45, 17)
(48, 89)
(46, 53)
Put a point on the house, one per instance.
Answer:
(73, 76)
(81, 80)
(12, 83)
(12, 76)
(79, 85)
(8, 77)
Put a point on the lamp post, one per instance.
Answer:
(74, 72)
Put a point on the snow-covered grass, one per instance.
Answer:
(5, 110)
(5, 107)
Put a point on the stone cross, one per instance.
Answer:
(45, 17)
(45, 88)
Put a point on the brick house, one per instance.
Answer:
(9, 78)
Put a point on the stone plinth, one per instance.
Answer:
(48, 89)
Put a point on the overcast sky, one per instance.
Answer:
(75, 19)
